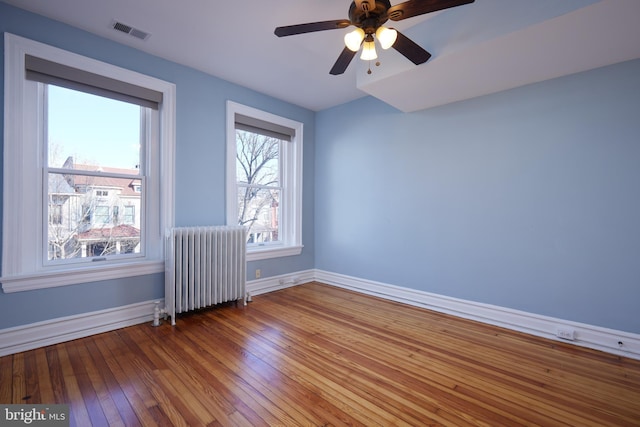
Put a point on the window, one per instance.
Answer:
(102, 215)
(129, 214)
(264, 180)
(69, 171)
(55, 214)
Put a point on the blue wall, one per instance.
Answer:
(200, 166)
(527, 199)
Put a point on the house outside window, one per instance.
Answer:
(72, 216)
(264, 180)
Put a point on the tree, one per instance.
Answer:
(258, 180)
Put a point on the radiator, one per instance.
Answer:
(204, 266)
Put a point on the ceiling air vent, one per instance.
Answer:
(124, 28)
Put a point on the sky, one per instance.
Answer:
(94, 130)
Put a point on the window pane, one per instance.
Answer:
(258, 179)
(93, 215)
(92, 130)
(259, 211)
(86, 220)
(257, 159)
(101, 215)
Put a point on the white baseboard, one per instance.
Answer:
(270, 284)
(27, 337)
(594, 337)
(49, 332)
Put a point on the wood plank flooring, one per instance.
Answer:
(316, 355)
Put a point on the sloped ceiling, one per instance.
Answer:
(588, 37)
(480, 48)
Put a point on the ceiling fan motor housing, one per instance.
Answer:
(368, 18)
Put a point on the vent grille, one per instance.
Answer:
(124, 28)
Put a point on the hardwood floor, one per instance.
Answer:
(316, 355)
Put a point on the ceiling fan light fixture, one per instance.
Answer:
(368, 16)
(353, 39)
(368, 51)
(386, 36)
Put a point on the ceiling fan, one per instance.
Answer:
(368, 16)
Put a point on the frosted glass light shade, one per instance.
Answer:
(353, 39)
(368, 51)
(386, 36)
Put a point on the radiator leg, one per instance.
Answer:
(247, 298)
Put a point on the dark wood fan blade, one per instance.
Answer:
(311, 27)
(412, 51)
(420, 7)
(343, 62)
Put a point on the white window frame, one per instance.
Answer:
(23, 266)
(291, 164)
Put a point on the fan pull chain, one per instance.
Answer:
(377, 65)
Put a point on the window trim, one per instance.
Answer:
(20, 271)
(292, 182)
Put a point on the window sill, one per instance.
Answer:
(272, 252)
(73, 276)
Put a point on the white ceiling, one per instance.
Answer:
(480, 48)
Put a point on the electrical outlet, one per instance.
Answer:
(566, 334)
(258, 273)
